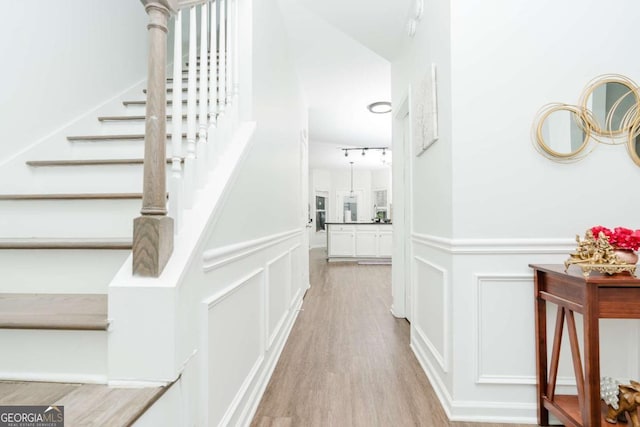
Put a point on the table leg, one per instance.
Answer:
(541, 350)
(591, 413)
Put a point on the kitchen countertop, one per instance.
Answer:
(359, 223)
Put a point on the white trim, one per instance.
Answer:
(436, 382)
(216, 298)
(138, 384)
(206, 305)
(480, 280)
(254, 399)
(269, 335)
(216, 258)
(495, 246)
(233, 407)
(441, 358)
(53, 377)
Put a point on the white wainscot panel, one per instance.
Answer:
(505, 330)
(296, 274)
(234, 344)
(278, 295)
(430, 308)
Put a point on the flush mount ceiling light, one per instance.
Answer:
(381, 107)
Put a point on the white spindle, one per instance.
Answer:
(192, 89)
(204, 97)
(213, 89)
(235, 75)
(222, 78)
(175, 185)
(222, 84)
(230, 42)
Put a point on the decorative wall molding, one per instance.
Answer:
(207, 306)
(483, 378)
(229, 290)
(216, 258)
(441, 357)
(495, 246)
(444, 396)
(234, 407)
(270, 336)
(486, 378)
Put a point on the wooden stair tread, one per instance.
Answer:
(90, 405)
(130, 118)
(66, 243)
(169, 90)
(87, 162)
(72, 196)
(111, 137)
(144, 102)
(54, 311)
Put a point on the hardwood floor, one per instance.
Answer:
(85, 405)
(347, 361)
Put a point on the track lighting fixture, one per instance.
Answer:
(364, 150)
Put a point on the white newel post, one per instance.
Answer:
(213, 89)
(192, 96)
(153, 230)
(175, 184)
(203, 169)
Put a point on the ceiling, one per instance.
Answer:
(342, 50)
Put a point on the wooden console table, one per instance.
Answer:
(598, 296)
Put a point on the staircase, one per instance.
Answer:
(65, 237)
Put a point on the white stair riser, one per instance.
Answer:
(114, 149)
(64, 271)
(68, 218)
(91, 179)
(128, 127)
(53, 355)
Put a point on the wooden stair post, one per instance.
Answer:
(153, 230)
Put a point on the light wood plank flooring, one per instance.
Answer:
(347, 361)
(85, 405)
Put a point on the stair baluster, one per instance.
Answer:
(192, 94)
(175, 185)
(234, 75)
(153, 230)
(213, 93)
(222, 76)
(202, 167)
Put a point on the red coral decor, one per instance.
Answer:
(619, 237)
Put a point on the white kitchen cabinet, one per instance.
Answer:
(359, 240)
(367, 242)
(385, 243)
(341, 240)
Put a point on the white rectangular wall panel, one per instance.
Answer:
(234, 321)
(430, 322)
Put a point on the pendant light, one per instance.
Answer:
(351, 179)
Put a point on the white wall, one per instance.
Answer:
(486, 204)
(62, 59)
(267, 195)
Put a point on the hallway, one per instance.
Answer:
(347, 361)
